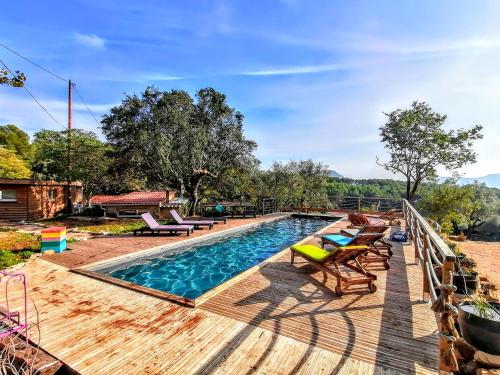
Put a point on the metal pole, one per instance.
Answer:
(70, 125)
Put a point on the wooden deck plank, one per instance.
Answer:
(388, 328)
(280, 319)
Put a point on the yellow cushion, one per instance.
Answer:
(314, 252)
(353, 247)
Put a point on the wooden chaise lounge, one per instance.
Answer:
(153, 227)
(374, 255)
(331, 261)
(196, 223)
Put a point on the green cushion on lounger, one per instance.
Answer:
(313, 252)
(338, 239)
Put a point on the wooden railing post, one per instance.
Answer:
(427, 262)
(416, 238)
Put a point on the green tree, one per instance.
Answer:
(288, 181)
(12, 166)
(485, 206)
(88, 162)
(171, 141)
(460, 208)
(417, 144)
(15, 139)
(448, 204)
(17, 79)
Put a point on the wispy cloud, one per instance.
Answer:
(90, 40)
(295, 70)
(157, 77)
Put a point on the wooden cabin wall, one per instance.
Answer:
(15, 210)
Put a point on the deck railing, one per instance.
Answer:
(431, 252)
(438, 264)
(347, 203)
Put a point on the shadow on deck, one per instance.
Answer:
(391, 328)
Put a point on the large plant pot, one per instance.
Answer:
(482, 333)
(466, 283)
(459, 257)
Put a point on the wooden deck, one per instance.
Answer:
(281, 319)
(390, 328)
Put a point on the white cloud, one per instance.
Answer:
(295, 70)
(157, 77)
(336, 118)
(90, 40)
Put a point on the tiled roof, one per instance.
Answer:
(134, 198)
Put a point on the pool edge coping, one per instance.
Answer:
(173, 245)
(86, 270)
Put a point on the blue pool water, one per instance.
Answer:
(204, 266)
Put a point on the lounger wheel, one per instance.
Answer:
(373, 288)
(338, 291)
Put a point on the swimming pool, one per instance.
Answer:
(201, 267)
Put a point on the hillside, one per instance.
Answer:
(490, 180)
(335, 174)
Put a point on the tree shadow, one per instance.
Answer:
(398, 291)
(286, 298)
(320, 294)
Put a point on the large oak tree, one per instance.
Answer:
(174, 141)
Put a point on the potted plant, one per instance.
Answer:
(465, 277)
(479, 322)
(456, 250)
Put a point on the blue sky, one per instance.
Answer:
(312, 78)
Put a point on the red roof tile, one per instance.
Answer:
(136, 197)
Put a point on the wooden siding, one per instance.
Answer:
(15, 210)
(33, 201)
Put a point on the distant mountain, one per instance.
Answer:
(491, 180)
(335, 174)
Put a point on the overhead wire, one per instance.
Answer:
(34, 63)
(86, 106)
(55, 75)
(33, 97)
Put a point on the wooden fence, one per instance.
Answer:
(438, 263)
(346, 203)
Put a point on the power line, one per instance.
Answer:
(34, 63)
(33, 97)
(86, 106)
(55, 75)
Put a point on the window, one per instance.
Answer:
(8, 196)
(52, 195)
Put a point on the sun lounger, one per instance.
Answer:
(374, 254)
(215, 219)
(196, 223)
(154, 227)
(331, 261)
(392, 215)
(359, 220)
(381, 244)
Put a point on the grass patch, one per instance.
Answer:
(113, 228)
(16, 247)
(19, 241)
(9, 258)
